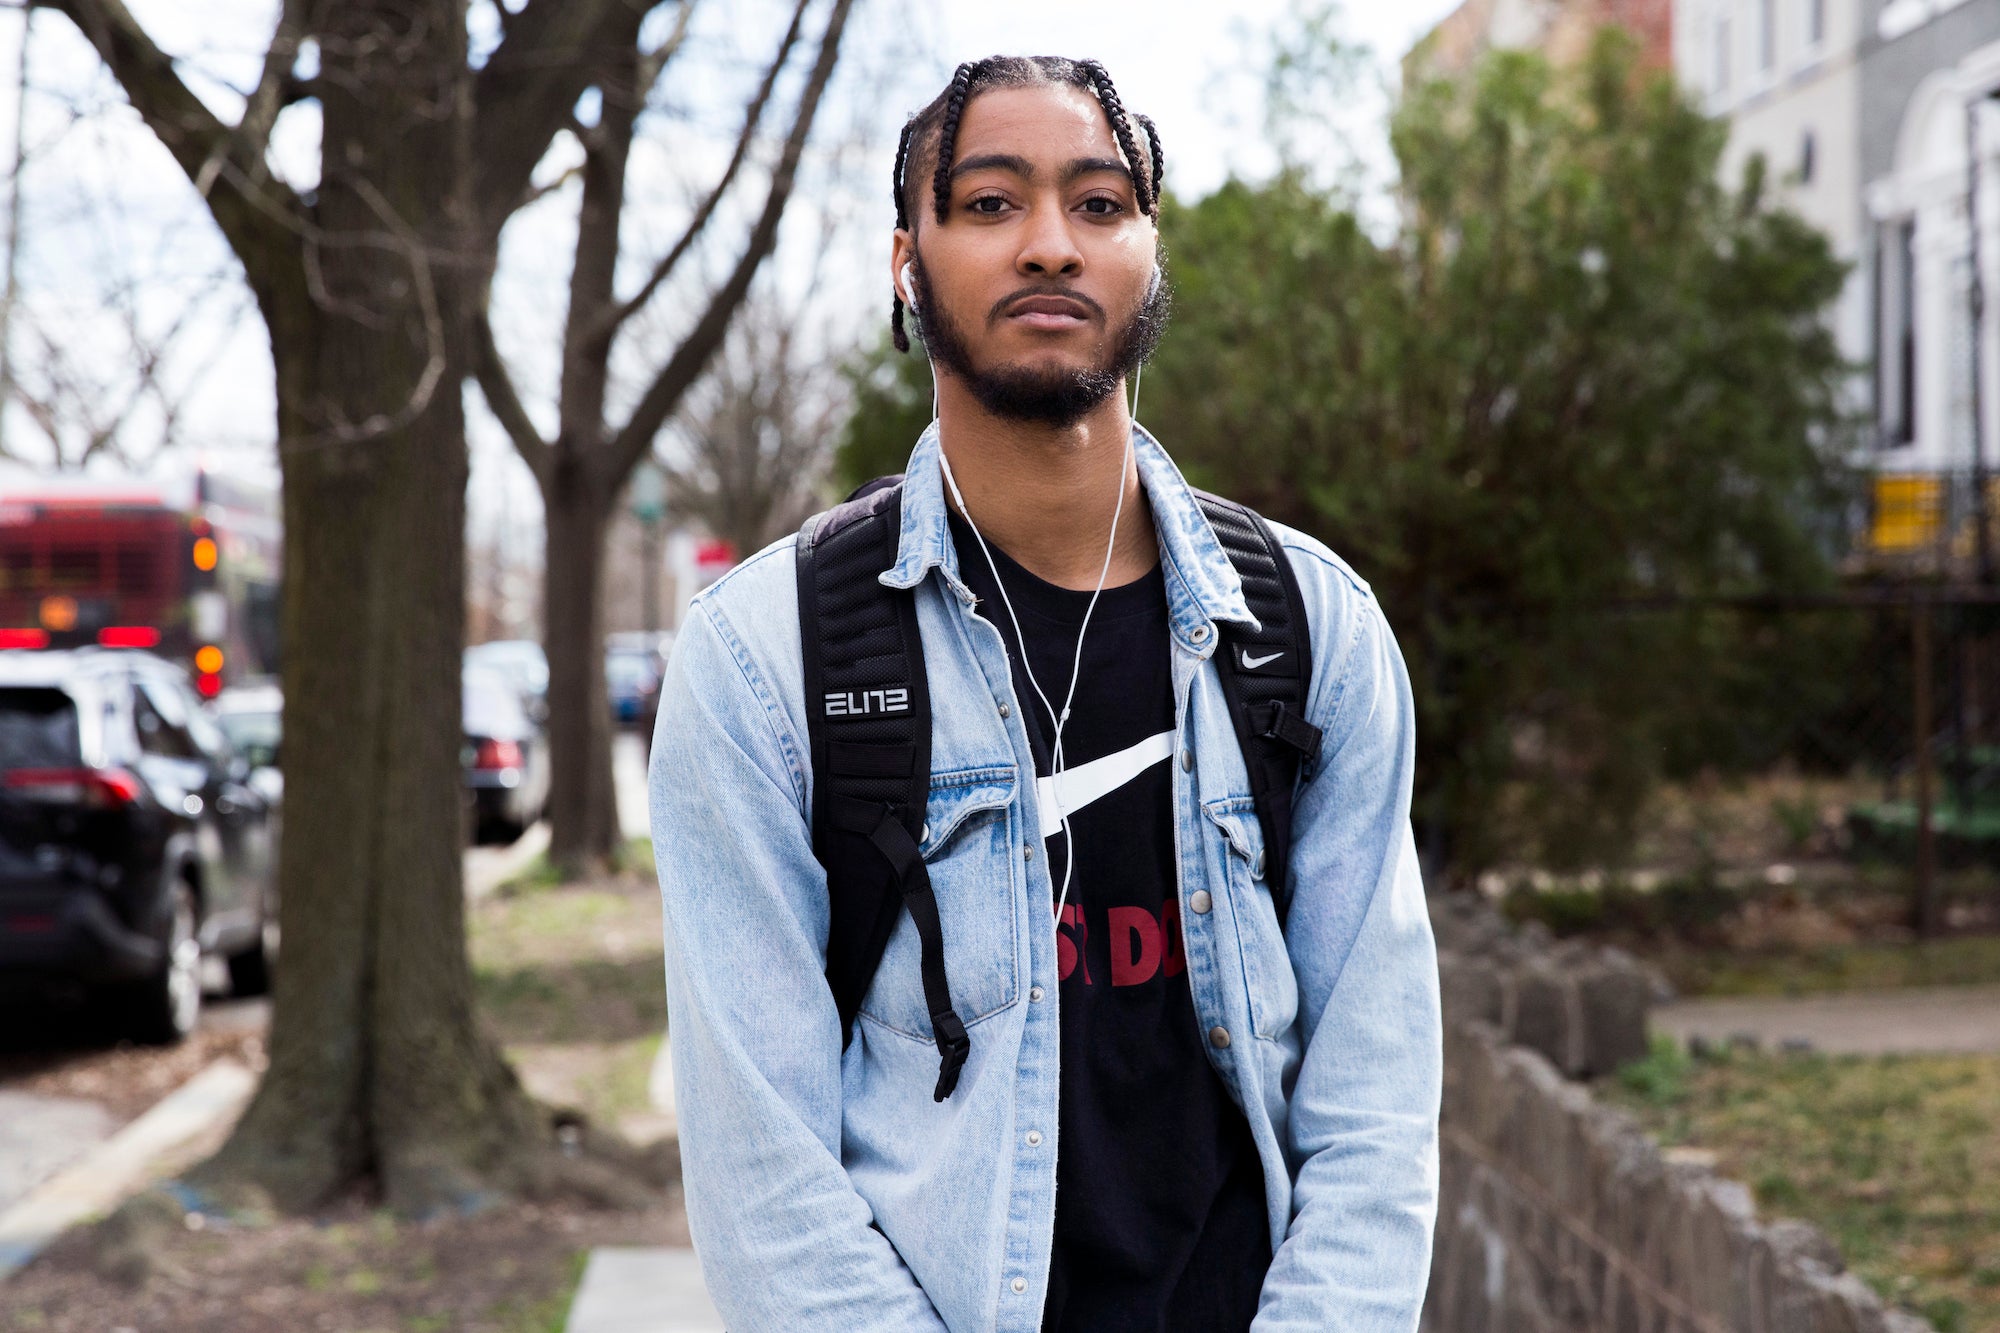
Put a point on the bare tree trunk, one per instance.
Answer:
(585, 468)
(583, 812)
(377, 1065)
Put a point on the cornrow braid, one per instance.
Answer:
(897, 336)
(1121, 127)
(954, 107)
(1159, 160)
(937, 125)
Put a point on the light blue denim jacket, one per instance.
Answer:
(825, 1189)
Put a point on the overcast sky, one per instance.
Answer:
(100, 197)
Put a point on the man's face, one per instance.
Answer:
(1035, 293)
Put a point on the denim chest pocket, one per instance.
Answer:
(1267, 966)
(967, 847)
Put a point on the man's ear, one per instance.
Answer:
(902, 252)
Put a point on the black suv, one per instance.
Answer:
(131, 843)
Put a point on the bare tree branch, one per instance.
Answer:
(261, 108)
(497, 386)
(601, 333)
(654, 62)
(552, 51)
(536, 193)
(585, 370)
(256, 216)
(636, 439)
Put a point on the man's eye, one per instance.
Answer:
(1103, 205)
(980, 204)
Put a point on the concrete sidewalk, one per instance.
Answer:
(1939, 1020)
(641, 1289)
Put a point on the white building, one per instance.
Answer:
(1786, 74)
(1861, 110)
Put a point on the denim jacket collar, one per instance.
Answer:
(1202, 584)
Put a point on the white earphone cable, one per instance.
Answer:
(1057, 763)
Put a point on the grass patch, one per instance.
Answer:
(1965, 961)
(1897, 1158)
(548, 1314)
(571, 964)
(633, 857)
(597, 999)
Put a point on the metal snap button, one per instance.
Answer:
(1199, 634)
(1034, 995)
(925, 836)
(1028, 852)
(1187, 761)
(1199, 902)
(1034, 1138)
(1019, 1284)
(1257, 866)
(1218, 1038)
(1006, 710)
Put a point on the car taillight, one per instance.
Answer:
(95, 788)
(498, 754)
(24, 638)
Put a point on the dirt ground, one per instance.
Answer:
(123, 1078)
(350, 1270)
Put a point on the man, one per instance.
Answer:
(1173, 1112)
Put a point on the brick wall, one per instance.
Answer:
(1559, 1215)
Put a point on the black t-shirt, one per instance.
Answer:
(1160, 1220)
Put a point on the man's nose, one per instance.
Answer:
(1048, 249)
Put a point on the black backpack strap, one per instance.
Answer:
(868, 721)
(1266, 674)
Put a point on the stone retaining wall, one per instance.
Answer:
(1558, 1215)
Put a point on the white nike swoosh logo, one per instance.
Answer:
(1252, 663)
(1079, 786)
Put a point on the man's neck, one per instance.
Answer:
(1046, 494)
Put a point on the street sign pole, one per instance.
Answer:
(649, 497)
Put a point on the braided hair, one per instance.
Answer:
(934, 131)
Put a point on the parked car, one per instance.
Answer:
(506, 759)
(252, 717)
(525, 666)
(634, 685)
(131, 842)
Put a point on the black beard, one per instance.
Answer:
(1056, 397)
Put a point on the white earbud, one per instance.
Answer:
(910, 285)
(1153, 287)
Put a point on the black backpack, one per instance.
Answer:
(868, 719)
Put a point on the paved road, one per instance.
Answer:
(1932, 1020)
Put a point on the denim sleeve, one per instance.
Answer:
(784, 1239)
(1362, 1128)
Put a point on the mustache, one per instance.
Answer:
(1043, 289)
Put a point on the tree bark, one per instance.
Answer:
(583, 813)
(377, 1065)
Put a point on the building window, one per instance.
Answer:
(1815, 22)
(1767, 35)
(1806, 149)
(1896, 333)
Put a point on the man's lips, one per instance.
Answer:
(1049, 312)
